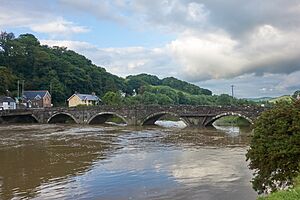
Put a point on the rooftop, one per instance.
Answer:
(6, 99)
(34, 94)
(88, 97)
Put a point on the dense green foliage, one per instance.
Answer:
(135, 82)
(57, 69)
(112, 98)
(7, 81)
(165, 95)
(274, 152)
(62, 72)
(291, 194)
(185, 86)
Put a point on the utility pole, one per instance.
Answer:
(18, 90)
(232, 86)
(23, 85)
(51, 88)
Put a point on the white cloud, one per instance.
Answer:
(58, 27)
(206, 56)
(197, 12)
(37, 17)
(73, 45)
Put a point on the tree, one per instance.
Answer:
(7, 81)
(149, 98)
(274, 152)
(183, 99)
(296, 94)
(224, 99)
(133, 84)
(185, 86)
(163, 99)
(112, 98)
(5, 38)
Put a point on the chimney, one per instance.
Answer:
(93, 93)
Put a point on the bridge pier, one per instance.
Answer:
(197, 121)
(132, 122)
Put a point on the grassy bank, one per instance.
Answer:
(291, 194)
(232, 121)
(116, 120)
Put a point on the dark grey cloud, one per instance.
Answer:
(235, 16)
(239, 17)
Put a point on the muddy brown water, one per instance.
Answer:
(116, 163)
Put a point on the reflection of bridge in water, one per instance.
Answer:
(200, 116)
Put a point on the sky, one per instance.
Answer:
(253, 45)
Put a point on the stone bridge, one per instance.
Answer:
(200, 116)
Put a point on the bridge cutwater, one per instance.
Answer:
(200, 116)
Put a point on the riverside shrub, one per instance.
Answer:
(274, 152)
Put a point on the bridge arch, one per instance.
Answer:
(25, 118)
(34, 118)
(152, 118)
(102, 117)
(210, 122)
(62, 117)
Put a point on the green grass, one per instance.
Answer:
(282, 98)
(291, 194)
(116, 120)
(232, 120)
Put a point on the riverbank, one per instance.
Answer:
(292, 194)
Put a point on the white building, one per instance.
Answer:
(7, 103)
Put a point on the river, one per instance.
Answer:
(117, 162)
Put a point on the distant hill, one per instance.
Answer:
(136, 81)
(287, 98)
(260, 99)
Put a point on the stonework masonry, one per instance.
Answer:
(199, 116)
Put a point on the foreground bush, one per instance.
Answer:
(274, 152)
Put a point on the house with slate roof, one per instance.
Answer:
(37, 99)
(83, 99)
(7, 103)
